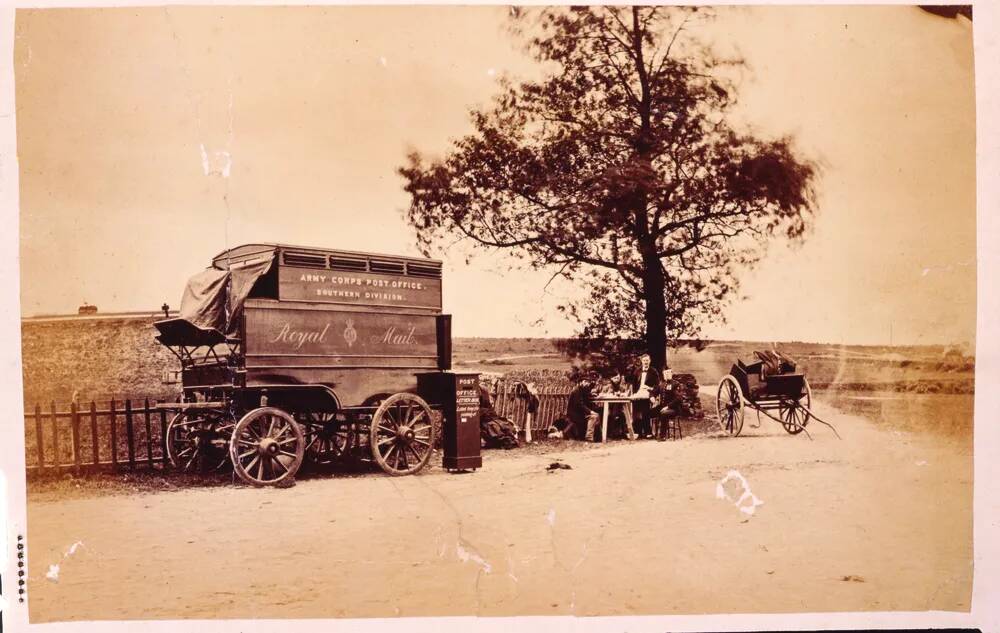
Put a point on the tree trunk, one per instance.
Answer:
(656, 311)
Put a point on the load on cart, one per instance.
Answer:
(291, 353)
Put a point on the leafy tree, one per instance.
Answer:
(620, 168)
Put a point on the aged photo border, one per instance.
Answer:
(985, 612)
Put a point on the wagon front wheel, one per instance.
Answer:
(267, 447)
(729, 404)
(402, 434)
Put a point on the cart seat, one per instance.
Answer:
(181, 332)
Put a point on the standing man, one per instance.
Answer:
(644, 384)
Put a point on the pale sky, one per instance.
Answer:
(150, 139)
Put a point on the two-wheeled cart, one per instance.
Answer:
(782, 395)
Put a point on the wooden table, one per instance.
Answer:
(606, 401)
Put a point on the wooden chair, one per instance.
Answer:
(669, 425)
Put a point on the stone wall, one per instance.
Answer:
(93, 359)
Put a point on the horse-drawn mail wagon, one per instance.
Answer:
(290, 353)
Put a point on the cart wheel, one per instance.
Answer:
(267, 447)
(196, 442)
(402, 434)
(808, 397)
(793, 417)
(730, 406)
(327, 437)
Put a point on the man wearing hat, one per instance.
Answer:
(664, 405)
(581, 410)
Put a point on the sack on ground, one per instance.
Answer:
(499, 433)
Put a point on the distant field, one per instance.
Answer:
(925, 369)
(913, 388)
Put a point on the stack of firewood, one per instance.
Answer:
(687, 396)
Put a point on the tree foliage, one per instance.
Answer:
(620, 168)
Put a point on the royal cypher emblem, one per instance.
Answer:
(350, 334)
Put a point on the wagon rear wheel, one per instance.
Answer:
(196, 441)
(267, 447)
(327, 437)
(794, 417)
(729, 404)
(402, 434)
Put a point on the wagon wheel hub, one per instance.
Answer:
(405, 433)
(268, 446)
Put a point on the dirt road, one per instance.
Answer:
(878, 521)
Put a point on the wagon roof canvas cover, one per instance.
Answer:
(213, 300)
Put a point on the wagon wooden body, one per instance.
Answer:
(290, 352)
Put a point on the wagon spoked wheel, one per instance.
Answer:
(195, 443)
(267, 447)
(327, 438)
(794, 417)
(730, 406)
(402, 434)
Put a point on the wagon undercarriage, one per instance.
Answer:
(268, 445)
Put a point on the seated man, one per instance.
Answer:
(616, 386)
(663, 405)
(621, 414)
(581, 411)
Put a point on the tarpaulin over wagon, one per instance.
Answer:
(205, 298)
(213, 299)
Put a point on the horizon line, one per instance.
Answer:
(679, 342)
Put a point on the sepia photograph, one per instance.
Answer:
(424, 311)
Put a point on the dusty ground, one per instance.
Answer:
(879, 521)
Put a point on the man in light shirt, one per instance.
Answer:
(644, 384)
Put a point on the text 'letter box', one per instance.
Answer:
(458, 397)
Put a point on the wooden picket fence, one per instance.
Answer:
(131, 434)
(551, 405)
(89, 437)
